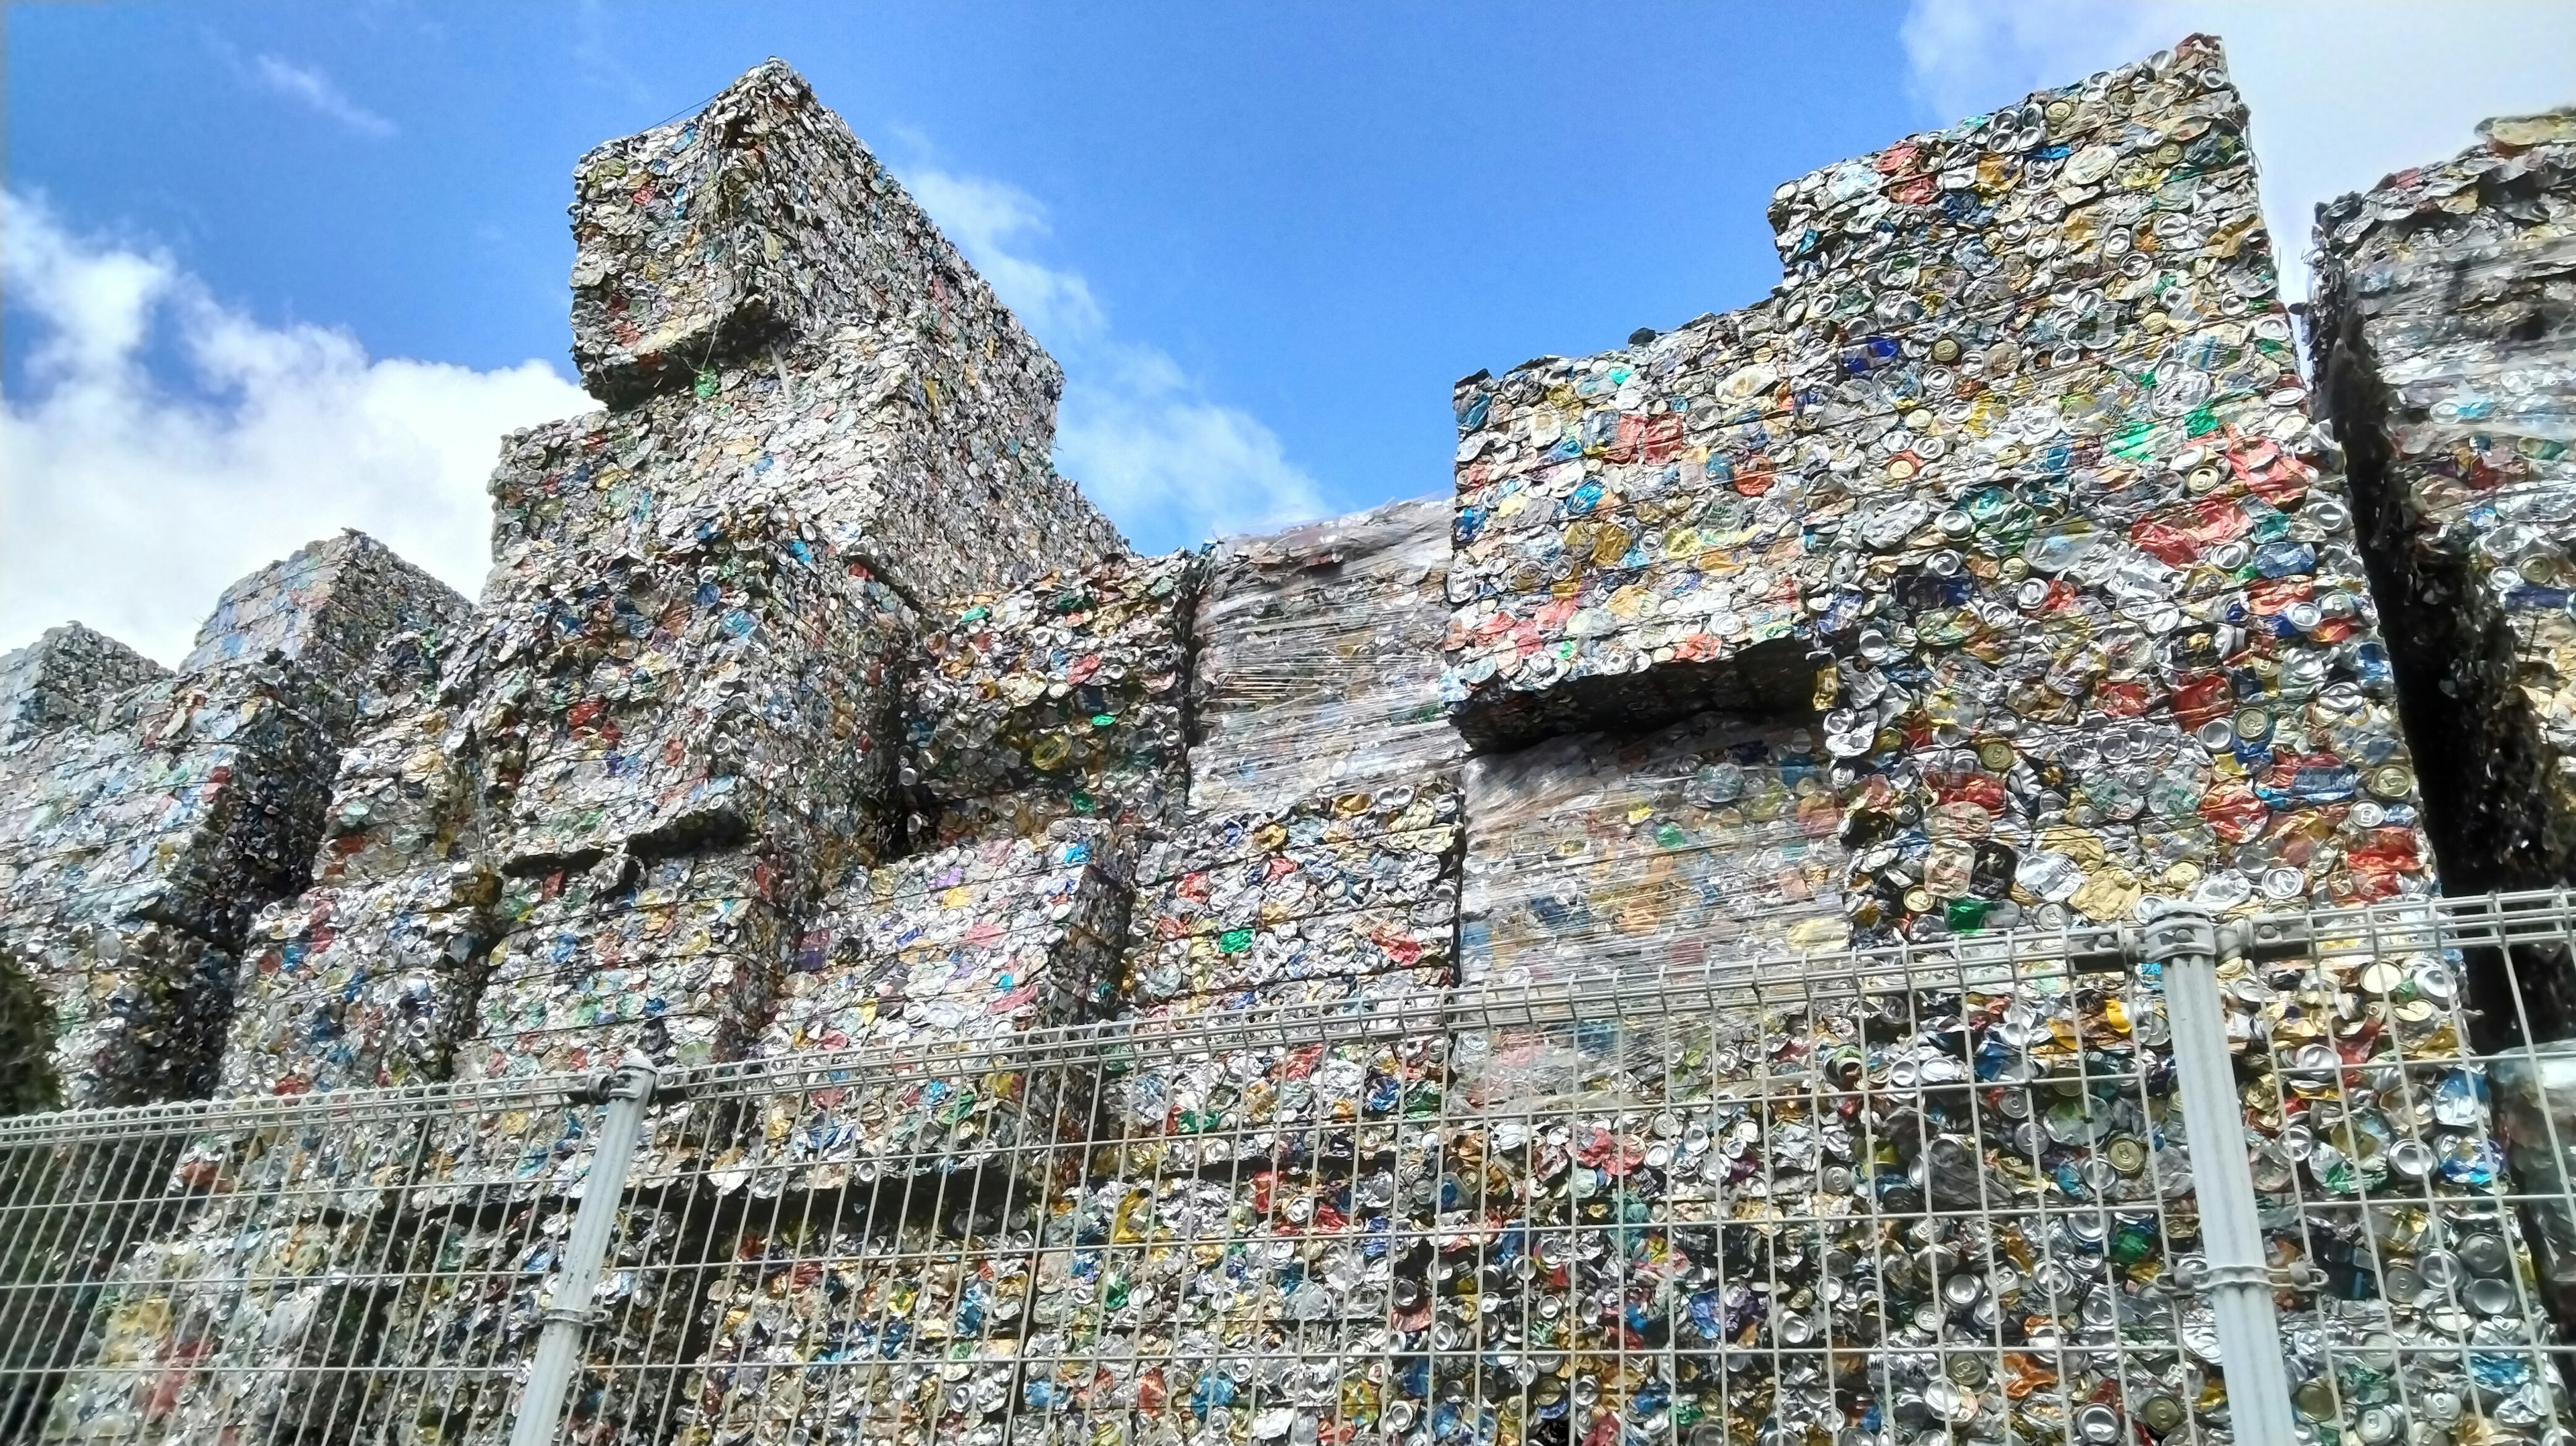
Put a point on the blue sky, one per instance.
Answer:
(276, 269)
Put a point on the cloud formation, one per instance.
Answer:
(128, 502)
(1167, 463)
(316, 92)
(2342, 91)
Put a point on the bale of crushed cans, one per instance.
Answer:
(2445, 352)
(361, 980)
(734, 682)
(138, 843)
(1332, 890)
(2020, 449)
(753, 289)
(1061, 698)
(1317, 668)
(329, 606)
(62, 677)
(460, 1327)
(244, 1322)
(926, 970)
(1671, 852)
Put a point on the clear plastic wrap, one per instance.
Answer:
(1318, 665)
(1706, 840)
(2444, 341)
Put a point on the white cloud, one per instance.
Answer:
(1164, 461)
(2342, 91)
(129, 505)
(311, 88)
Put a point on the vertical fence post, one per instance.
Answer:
(2184, 940)
(567, 1314)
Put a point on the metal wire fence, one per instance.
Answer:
(1858, 1199)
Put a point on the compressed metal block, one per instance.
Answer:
(750, 280)
(365, 978)
(2444, 343)
(133, 853)
(1704, 841)
(679, 958)
(461, 1325)
(2019, 446)
(1318, 666)
(1328, 888)
(360, 985)
(1064, 696)
(970, 943)
(63, 676)
(799, 1299)
(735, 682)
(192, 801)
(134, 1011)
(935, 965)
(328, 606)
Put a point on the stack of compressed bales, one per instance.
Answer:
(2443, 335)
(2018, 468)
(1061, 698)
(360, 980)
(753, 286)
(138, 843)
(1318, 862)
(673, 723)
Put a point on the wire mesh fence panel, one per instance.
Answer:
(1860, 1199)
(277, 1271)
